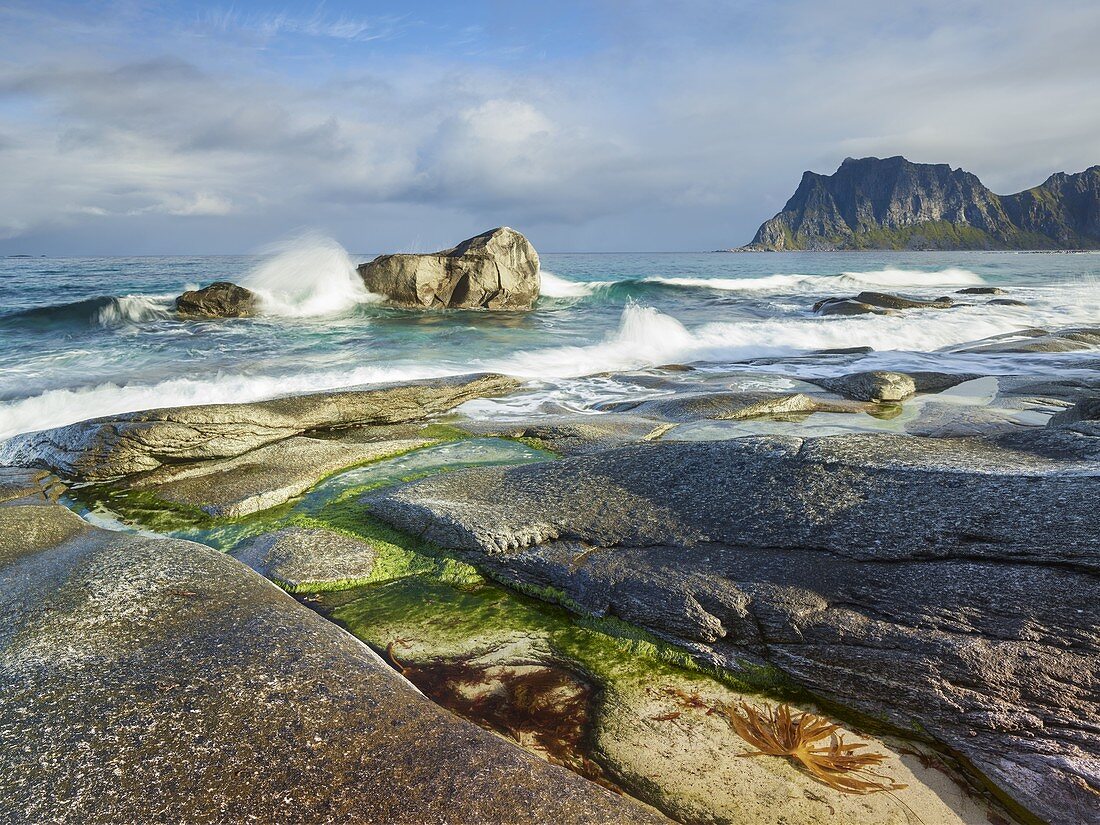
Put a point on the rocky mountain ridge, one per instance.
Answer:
(892, 203)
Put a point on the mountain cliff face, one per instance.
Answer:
(891, 203)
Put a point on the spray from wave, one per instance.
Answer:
(308, 275)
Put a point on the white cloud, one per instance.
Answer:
(677, 130)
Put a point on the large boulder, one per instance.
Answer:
(219, 300)
(498, 269)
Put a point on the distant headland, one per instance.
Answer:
(892, 203)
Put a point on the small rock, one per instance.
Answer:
(219, 300)
(870, 386)
(980, 290)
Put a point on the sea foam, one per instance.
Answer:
(307, 275)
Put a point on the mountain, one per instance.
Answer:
(892, 203)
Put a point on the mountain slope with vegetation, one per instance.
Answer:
(892, 203)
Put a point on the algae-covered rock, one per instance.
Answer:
(298, 558)
(946, 585)
(150, 680)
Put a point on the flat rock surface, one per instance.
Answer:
(946, 585)
(119, 445)
(265, 477)
(151, 680)
(297, 558)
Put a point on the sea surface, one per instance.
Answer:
(85, 337)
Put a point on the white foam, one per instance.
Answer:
(916, 278)
(133, 309)
(911, 278)
(555, 287)
(307, 275)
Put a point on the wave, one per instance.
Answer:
(102, 311)
(308, 275)
(554, 286)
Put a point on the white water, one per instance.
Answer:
(134, 309)
(308, 275)
(816, 283)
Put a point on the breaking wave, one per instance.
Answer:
(555, 287)
(103, 311)
(308, 275)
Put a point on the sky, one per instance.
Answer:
(143, 128)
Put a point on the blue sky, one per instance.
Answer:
(187, 128)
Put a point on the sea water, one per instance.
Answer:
(86, 337)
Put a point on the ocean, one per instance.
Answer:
(86, 337)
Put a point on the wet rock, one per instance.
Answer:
(848, 306)
(158, 680)
(1087, 409)
(1006, 302)
(264, 477)
(718, 405)
(104, 448)
(498, 269)
(304, 559)
(870, 386)
(946, 584)
(879, 303)
(950, 420)
(219, 300)
(980, 290)
(930, 381)
(24, 486)
(888, 301)
(1038, 340)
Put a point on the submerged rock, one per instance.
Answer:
(947, 585)
(151, 680)
(870, 386)
(219, 300)
(299, 558)
(498, 269)
(719, 405)
(879, 303)
(980, 290)
(104, 448)
(1038, 340)
(848, 306)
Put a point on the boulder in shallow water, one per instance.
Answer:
(878, 303)
(980, 290)
(498, 269)
(870, 386)
(219, 300)
(848, 306)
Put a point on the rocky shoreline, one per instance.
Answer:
(912, 553)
